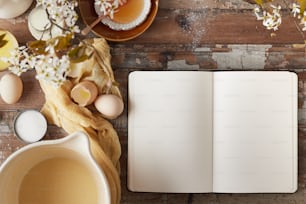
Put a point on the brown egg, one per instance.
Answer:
(109, 105)
(84, 93)
(11, 88)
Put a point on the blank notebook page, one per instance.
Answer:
(170, 132)
(255, 132)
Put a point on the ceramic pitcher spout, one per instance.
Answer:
(77, 141)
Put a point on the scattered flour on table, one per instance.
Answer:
(197, 18)
(193, 24)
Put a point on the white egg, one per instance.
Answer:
(11, 88)
(109, 105)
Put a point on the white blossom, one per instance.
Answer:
(270, 20)
(21, 61)
(295, 10)
(62, 11)
(52, 69)
(108, 7)
(48, 67)
(258, 13)
(303, 22)
(273, 19)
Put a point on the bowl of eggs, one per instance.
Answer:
(128, 22)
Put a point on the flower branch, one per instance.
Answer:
(269, 13)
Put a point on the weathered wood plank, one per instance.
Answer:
(216, 4)
(186, 35)
(216, 27)
(208, 57)
(196, 26)
(200, 4)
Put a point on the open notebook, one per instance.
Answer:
(227, 132)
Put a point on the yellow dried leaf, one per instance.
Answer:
(302, 6)
(38, 46)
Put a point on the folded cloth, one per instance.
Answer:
(60, 110)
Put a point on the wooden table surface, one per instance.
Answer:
(186, 35)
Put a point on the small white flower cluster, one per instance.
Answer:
(48, 67)
(21, 61)
(62, 11)
(52, 69)
(296, 11)
(108, 7)
(271, 20)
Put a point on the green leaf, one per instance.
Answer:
(79, 59)
(74, 52)
(259, 2)
(78, 54)
(38, 46)
(2, 37)
(302, 6)
(2, 41)
(115, 84)
(61, 43)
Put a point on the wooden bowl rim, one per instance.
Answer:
(118, 36)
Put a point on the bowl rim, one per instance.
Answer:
(142, 27)
(62, 144)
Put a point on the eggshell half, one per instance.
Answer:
(84, 93)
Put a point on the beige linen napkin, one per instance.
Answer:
(60, 110)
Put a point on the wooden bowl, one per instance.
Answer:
(89, 15)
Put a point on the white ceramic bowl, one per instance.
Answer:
(20, 162)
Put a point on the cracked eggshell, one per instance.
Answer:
(84, 93)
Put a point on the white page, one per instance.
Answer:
(255, 132)
(170, 132)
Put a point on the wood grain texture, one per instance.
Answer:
(186, 35)
(207, 22)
